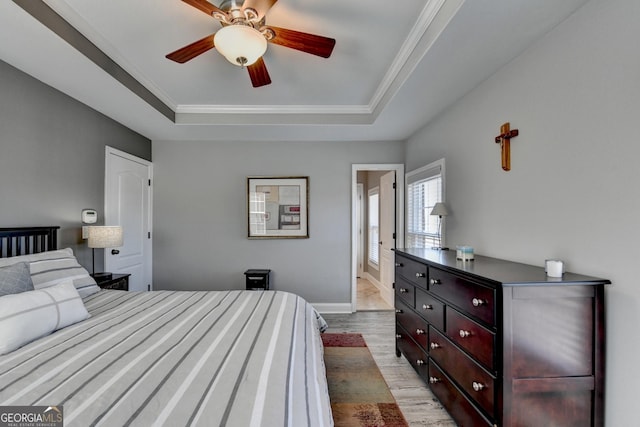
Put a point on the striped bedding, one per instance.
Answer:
(234, 358)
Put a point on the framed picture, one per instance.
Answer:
(278, 207)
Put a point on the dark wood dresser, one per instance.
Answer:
(499, 342)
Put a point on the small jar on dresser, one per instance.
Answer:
(499, 343)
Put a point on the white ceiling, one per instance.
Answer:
(396, 64)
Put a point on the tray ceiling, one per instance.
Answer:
(396, 65)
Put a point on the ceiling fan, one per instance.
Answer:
(244, 35)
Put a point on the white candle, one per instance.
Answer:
(554, 267)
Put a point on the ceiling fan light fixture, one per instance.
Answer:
(242, 45)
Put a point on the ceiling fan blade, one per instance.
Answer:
(260, 6)
(192, 50)
(204, 6)
(259, 74)
(309, 43)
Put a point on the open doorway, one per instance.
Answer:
(375, 233)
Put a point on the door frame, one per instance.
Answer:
(358, 167)
(109, 152)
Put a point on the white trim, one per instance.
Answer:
(440, 163)
(128, 156)
(385, 294)
(329, 308)
(421, 38)
(375, 282)
(272, 109)
(431, 22)
(400, 187)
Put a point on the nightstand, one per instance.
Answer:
(257, 279)
(119, 282)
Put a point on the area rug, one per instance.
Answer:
(359, 394)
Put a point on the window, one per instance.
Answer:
(425, 188)
(374, 226)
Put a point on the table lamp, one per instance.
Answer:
(103, 237)
(440, 210)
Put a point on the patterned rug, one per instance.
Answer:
(359, 394)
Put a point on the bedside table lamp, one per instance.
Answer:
(440, 210)
(103, 237)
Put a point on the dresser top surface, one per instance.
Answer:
(503, 272)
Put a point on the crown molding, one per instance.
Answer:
(60, 18)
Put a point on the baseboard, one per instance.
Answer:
(386, 294)
(375, 282)
(328, 308)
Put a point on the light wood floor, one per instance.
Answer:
(416, 402)
(368, 297)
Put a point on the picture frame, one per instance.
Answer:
(278, 207)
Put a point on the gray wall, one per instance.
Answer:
(572, 191)
(52, 151)
(200, 208)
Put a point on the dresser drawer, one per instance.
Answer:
(430, 308)
(414, 354)
(474, 299)
(406, 292)
(412, 323)
(412, 271)
(469, 376)
(460, 408)
(475, 339)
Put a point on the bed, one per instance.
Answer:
(235, 358)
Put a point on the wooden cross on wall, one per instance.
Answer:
(504, 139)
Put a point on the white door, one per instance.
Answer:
(360, 225)
(128, 204)
(387, 235)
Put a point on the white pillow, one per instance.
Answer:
(27, 316)
(52, 267)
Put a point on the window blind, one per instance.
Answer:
(424, 190)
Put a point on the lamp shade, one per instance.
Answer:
(105, 237)
(439, 209)
(242, 45)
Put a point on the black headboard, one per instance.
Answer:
(27, 240)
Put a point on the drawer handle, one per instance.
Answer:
(419, 362)
(427, 307)
(464, 334)
(434, 345)
(399, 264)
(403, 291)
(435, 281)
(398, 311)
(478, 386)
(419, 275)
(398, 336)
(477, 302)
(420, 331)
(434, 380)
